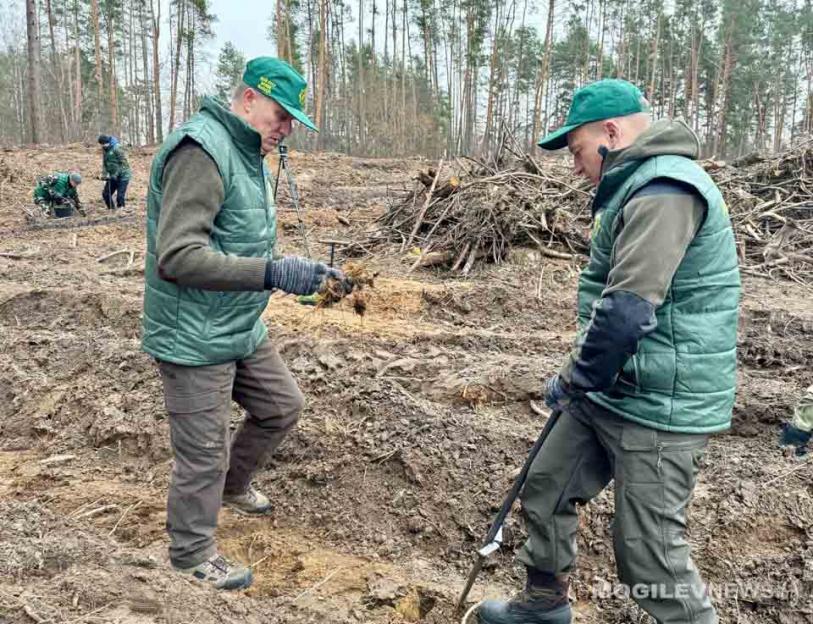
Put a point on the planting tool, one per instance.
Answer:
(494, 536)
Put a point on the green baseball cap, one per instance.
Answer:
(599, 100)
(276, 79)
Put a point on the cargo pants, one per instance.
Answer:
(207, 462)
(654, 473)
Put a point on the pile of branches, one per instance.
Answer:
(770, 199)
(487, 207)
(511, 199)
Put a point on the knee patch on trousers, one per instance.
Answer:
(280, 423)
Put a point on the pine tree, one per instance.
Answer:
(230, 65)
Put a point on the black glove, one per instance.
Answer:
(298, 276)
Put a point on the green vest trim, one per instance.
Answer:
(195, 327)
(683, 376)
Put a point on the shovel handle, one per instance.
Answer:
(499, 519)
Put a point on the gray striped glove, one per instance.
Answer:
(298, 276)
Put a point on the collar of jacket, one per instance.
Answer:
(246, 138)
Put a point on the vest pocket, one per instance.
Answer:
(656, 372)
(628, 377)
(235, 314)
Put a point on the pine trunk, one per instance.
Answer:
(650, 92)
(156, 73)
(176, 63)
(34, 77)
(542, 77)
(360, 93)
(322, 71)
(148, 96)
(111, 62)
(94, 18)
(492, 82)
(77, 58)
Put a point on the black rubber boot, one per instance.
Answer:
(544, 601)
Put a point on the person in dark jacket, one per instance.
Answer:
(116, 172)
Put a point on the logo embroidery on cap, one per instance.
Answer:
(302, 96)
(265, 85)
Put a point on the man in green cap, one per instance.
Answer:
(652, 373)
(211, 234)
(56, 194)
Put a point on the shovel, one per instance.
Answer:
(494, 537)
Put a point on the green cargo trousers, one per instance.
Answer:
(198, 399)
(654, 473)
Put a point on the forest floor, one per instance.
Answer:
(417, 416)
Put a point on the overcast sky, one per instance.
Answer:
(244, 23)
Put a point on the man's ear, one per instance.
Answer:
(248, 99)
(613, 133)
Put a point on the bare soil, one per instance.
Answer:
(418, 416)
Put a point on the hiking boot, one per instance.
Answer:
(221, 573)
(544, 601)
(793, 436)
(249, 503)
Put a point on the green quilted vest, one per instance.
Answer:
(684, 374)
(197, 327)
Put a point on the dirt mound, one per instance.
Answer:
(69, 310)
(775, 339)
(31, 542)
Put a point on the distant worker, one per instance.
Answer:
(797, 433)
(57, 196)
(116, 174)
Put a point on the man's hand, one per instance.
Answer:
(558, 394)
(299, 276)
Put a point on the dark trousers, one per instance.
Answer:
(115, 187)
(209, 461)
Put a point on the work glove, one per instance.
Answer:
(300, 276)
(795, 437)
(558, 394)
